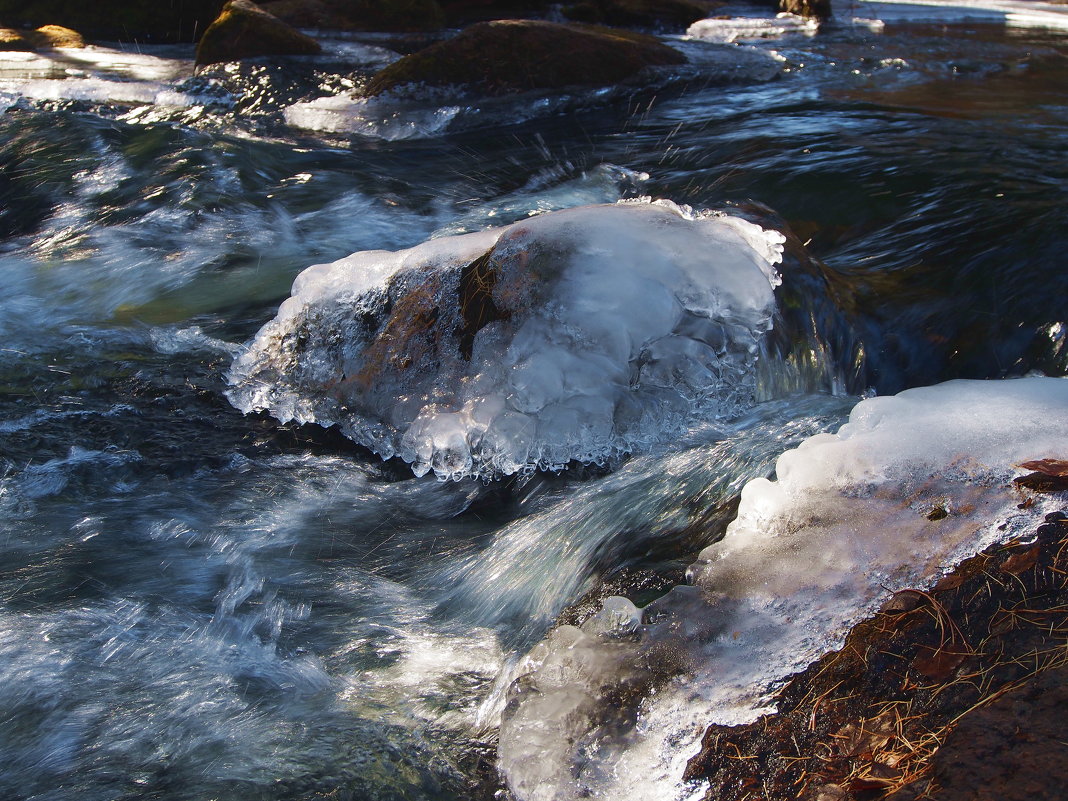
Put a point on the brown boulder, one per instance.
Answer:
(817, 9)
(243, 30)
(507, 56)
(55, 36)
(10, 39)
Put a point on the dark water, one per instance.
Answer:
(197, 604)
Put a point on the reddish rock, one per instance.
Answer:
(517, 55)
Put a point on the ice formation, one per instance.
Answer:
(573, 335)
(911, 485)
(745, 29)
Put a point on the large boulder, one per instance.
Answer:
(120, 20)
(48, 36)
(244, 30)
(359, 15)
(518, 55)
(646, 13)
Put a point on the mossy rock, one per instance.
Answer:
(360, 15)
(10, 39)
(55, 36)
(121, 20)
(646, 13)
(244, 30)
(508, 56)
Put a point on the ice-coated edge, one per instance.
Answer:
(747, 29)
(909, 487)
(576, 335)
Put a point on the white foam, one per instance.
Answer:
(381, 119)
(614, 327)
(100, 90)
(846, 522)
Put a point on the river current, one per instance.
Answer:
(201, 604)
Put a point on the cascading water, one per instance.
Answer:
(197, 603)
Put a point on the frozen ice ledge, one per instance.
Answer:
(912, 485)
(576, 335)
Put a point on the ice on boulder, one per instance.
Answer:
(748, 29)
(910, 486)
(574, 335)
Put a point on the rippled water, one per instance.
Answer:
(198, 604)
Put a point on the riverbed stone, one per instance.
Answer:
(244, 30)
(507, 56)
(10, 39)
(55, 36)
(816, 9)
(119, 20)
(359, 15)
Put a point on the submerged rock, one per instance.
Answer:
(359, 15)
(243, 30)
(519, 55)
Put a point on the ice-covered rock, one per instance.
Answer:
(910, 486)
(574, 335)
(747, 29)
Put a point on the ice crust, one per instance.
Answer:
(745, 29)
(574, 335)
(846, 521)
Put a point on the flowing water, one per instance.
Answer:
(200, 604)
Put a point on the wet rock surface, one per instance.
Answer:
(947, 694)
(244, 30)
(518, 55)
